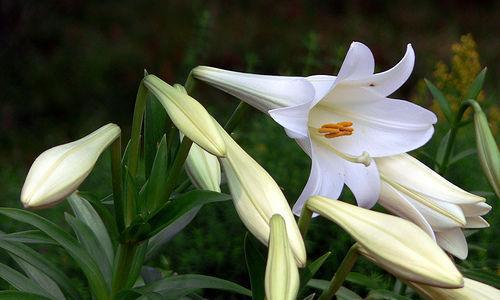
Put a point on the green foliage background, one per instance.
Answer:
(69, 67)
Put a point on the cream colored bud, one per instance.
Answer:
(487, 149)
(395, 244)
(257, 197)
(203, 169)
(472, 290)
(58, 171)
(282, 275)
(439, 207)
(188, 115)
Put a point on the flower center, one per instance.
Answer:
(333, 130)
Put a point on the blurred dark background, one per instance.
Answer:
(68, 67)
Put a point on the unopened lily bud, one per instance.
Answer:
(472, 290)
(203, 169)
(487, 149)
(282, 276)
(439, 207)
(395, 244)
(257, 197)
(188, 115)
(58, 172)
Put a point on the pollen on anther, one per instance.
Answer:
(333, 130)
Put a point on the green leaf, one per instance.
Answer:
(158, 241)
(107, 218)
(477, 85)
(442, 150)
(16, 295)
(86, 213)
(342, 294)
(44, 281)
(363, 280)
(21, 282)
(155, 192)
(131, 197)
(181, 205)
(385, 295)
(86, 263)
(461, 155)
(91, 244)
(441, 100)
(177, 286)
(310, 270)
(28, 237)
(39, 261)
(155, 122)
(256, 266)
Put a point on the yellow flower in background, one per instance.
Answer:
(393, 243)
(58, 171)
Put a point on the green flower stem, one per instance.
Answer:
(341, 274)
(189, 84)
(116, 178)
(304, 220)
(453, 133)
(126, 259)
(236, 117)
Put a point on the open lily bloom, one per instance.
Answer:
(339, 121)
(439, 207)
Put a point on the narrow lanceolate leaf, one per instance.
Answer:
(441, 99)
(44, 281)
(442, 150)
(16, 295)
(88, 215)
(43, 264)
(256, 266)
(74, 249)
(393, 243)
(158, 241)
(181, 205)
(27, 237)
(342, 294)
(477, 85)
(155, 123)
(21, 282)
(385, 295)
(310, 270)
(91, 244)
(154, 194)
(178, 286)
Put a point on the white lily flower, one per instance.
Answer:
(395, 244)
(257, 197)
(58, 171)
(339, 121)
(203, 169)
(472, 290)
(415, 192)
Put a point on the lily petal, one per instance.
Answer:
(326, 177)
(476, 222)
(263, 92)
(476, 209)
(322, 85)
(429, 184)
(399, 204)
(293, 119)
(364, 182)
(358, 63)
(453, 241)
(389, 81)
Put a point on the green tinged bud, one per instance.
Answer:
(282, 275)
(487, 148)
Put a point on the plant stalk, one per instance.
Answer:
(236, 117)
(116, 178)
(304, 220)
(124, 259)
(342, 272)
